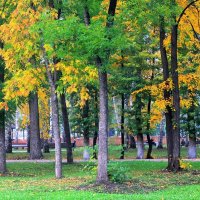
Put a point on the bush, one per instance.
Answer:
(91, 167)
(117, 174)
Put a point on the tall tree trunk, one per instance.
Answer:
(55, 123)
(2, 142)
(186, 140)
(103, 101)
(176, 100)
(161, 134)
(86, 155)
(46, 146)
(149, 151)
(140, 146)
(66, 128)
(192, 151)
(35, 143)
(140, 140)
(116, 115)
(103, 125)
(96, 127)
(167, 95)
(85, 116)
(55, 118)
(132, 142)
(86, 16)
(28, 139)
(122, 126)
(9, 141)
(2, 121)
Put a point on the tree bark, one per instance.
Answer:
(96, 127)
(28, 139)
(103, 101)
(46, 146)
(122, 126)
(117, 117)
(9, 141)
(161, 134)
(140, 146)
(2, 141)
(103, 125)
(192, 151)
(176, 100)
(85, 116)
(55, 123)
(138, 121)
(66, 128)
(132, 142)
(167, 94)
(35, 142)
(86, 16)
(149, 151)
(140, 141)
(55, 118)
(2, 121)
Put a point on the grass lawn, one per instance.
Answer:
(146, 180)
(114, 153)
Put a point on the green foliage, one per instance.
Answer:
(117, 173)
(91, 167)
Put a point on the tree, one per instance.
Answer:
(2, 120)
(103, 107)
(35, 143)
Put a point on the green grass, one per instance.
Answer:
(147, 181)
(114, 153)
(176, 193)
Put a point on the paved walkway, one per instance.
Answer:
(78, 161)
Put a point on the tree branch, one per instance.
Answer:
(183, 12)
(195, 33)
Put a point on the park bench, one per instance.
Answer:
(16, 146)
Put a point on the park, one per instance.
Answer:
(99, 99)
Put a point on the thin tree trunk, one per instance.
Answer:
(140, 146)
(85, 117)
(122, 126)
(9, 141)
(138, 121)
(35, 142)
(96, 127)
(116, 115)
(66, 128)
(103, 101)
(192, 151)
(55, 118)
(28, 139)
(2, 121)
(86, 155)
(132, 142)
(140, 140)
(55, 123)
(176, 100)
(103, 125)
(149, 151)
(161, 134)
(46, 146)
(186, 140)
(2, 142)
(167, 95)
